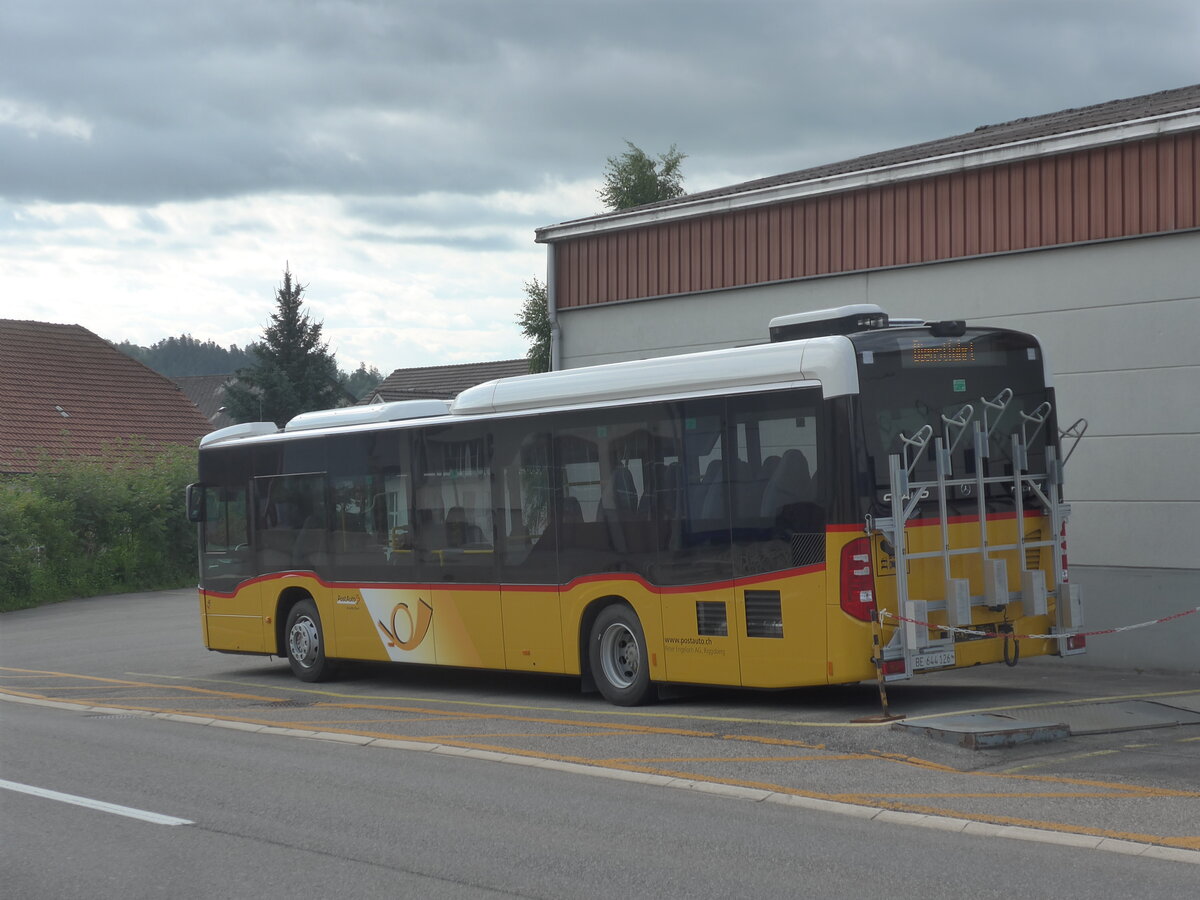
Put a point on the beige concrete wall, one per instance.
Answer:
(1120, 323)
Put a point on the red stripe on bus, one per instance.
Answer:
(533, 588)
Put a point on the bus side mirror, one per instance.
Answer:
(195, 502)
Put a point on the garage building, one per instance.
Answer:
(1081, 226)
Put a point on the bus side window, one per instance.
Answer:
(603, 461)
(706, 490)
(292, 522)
(360, 535)
(454, 524)
(779, 519)
(692, 493)
(225, 523)
(526, 502)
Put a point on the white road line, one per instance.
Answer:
(128, 811)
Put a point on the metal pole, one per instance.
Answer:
(877, 641)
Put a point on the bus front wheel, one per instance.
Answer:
(306, 643)
(617, 656)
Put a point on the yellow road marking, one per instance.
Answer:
(495, 735)
(1048, 762)
(783, 742)
(832, 757)
(1083, 782)
(651, 714)
(624, 712)
(625, 728)
(1125, 791)
(384, 720)
(108, 701)
(581, 723)
(186, 688)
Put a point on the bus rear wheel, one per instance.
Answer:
(306, 643)
(617, 657)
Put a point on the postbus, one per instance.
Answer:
(857, 498)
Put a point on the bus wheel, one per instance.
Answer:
(617, 656)
(306, 643)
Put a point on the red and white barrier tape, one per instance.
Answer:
(884, 614)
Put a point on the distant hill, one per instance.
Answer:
(185, 355)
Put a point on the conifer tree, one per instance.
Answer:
(294, 372)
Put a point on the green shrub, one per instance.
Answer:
(81, 528)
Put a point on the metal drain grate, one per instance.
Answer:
(112, 716)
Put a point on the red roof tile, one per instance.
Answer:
(64, 391)
(443, 382)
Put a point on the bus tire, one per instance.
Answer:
(617, 656)
(305, 642)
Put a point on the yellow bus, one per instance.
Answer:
(759, 516)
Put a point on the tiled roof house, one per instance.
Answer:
(442, 382)
(208, 393)
(65, 392)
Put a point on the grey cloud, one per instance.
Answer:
(493, 242)
(441, 211)
(399, 99)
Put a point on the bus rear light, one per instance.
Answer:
(1077, 642)
(893, 667)
(858, 582)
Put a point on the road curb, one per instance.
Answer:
(721, 789)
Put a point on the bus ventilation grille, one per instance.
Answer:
(808, 548)
(711, 618)
(764, 614)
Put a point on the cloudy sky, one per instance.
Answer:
(161, 162)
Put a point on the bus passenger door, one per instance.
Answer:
(528, 510)
(778, 528)
(231, 607)
(456, 545)
(694, 571)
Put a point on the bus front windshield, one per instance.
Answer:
(910, 379)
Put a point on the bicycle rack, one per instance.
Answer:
(911, 641)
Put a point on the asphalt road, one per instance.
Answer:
(528, 788)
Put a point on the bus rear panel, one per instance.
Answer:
(967, 547)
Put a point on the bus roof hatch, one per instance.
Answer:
(822, 322)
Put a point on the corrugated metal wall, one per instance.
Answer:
(1140, 188)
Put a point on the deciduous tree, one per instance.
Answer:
(534, 320)
(633, 178)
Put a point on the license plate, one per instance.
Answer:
(938, 660)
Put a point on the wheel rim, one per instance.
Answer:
(304, 641)
(620, 655)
